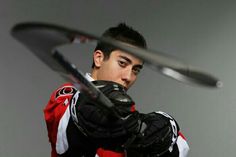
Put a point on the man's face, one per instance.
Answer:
(120, 67)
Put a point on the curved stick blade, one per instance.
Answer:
(41, 38)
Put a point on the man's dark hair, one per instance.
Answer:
(123, 33)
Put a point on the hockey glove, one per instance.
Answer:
(106, 130)
(158, 134)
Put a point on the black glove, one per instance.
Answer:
(158, 134)
(106, 130)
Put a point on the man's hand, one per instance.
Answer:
(158, 134)
(107, 130)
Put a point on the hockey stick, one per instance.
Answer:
(43, 39)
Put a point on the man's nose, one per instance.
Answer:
(127, 75)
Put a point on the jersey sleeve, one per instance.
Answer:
(54, 111)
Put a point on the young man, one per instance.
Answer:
(78, 126)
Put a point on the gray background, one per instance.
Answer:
(200, 32)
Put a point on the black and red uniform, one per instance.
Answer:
(66, 139)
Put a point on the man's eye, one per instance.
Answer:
(136, 70)
(122, 63)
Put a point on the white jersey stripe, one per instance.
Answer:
(182, 146)
(62, 143)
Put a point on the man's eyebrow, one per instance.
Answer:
(125, 58)
(140, 66)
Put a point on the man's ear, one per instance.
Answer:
(98, 58)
